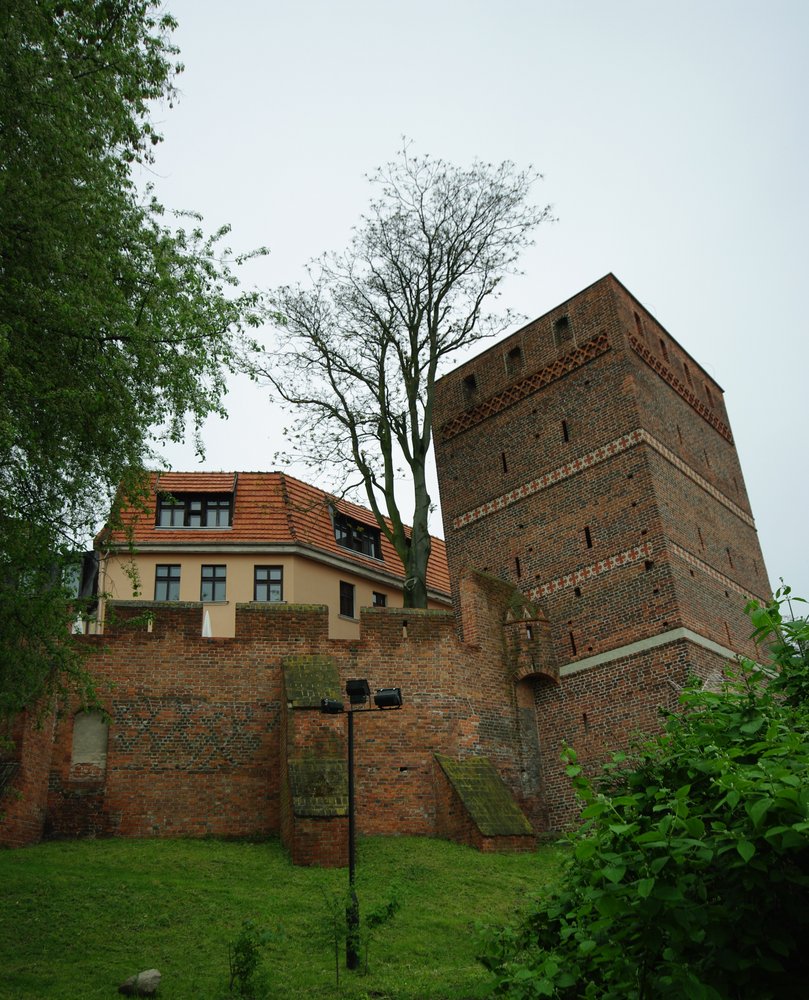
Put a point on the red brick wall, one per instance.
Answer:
(670, 494)
(23, 805)
(199, 736)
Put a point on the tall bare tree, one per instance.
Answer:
(359, 348)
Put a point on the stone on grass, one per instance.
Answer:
(144, 984)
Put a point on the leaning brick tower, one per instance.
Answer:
(587, 459)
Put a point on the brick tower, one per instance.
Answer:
(587, 459)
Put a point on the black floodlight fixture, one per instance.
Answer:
(388, 698)
(330, 706)
(358, 692)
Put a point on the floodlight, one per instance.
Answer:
(388, 698)
(358, 691)
(330, 706)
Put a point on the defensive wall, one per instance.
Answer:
(601, 549)
(223, 736)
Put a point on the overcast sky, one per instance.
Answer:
(672, 138)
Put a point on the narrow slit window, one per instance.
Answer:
(663, 349)
(470, 386)
(572, 643)
(730, 558)
(639, 327)
(517, 566)
(503, 460)
(565, 431)
(588, 538)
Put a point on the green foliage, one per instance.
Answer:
(378, 917)
(245, 957)
(115, 326)
(335, 925)
(689, 876)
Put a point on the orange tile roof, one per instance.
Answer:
(270, 507)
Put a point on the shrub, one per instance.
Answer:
(689, 875)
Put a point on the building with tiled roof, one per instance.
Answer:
(230, 538)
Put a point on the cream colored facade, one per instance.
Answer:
(309, 577)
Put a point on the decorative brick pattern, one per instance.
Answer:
(578, 576)
(668, 375)
(590, 349)
(588, 461)
(714, 574)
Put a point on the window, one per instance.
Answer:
(379, 600)
(470, 386)
(663, 350)
(588, 538)
(167, 583)
(268, 584)
(562, 331)
(639, 327)
(346, 599)
(197, 511)
(359, 537)
(213, 583)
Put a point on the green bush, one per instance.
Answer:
(689, 876)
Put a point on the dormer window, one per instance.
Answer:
(194, 511)
(352, 534)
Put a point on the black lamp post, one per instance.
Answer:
(358, 693)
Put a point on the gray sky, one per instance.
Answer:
(672, 138)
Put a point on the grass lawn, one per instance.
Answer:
(78, 917)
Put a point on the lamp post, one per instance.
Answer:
(358, 692)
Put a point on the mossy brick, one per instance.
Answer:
(485, 796)
(308, 679)
(318, 787)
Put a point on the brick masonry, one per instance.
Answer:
(601, 549)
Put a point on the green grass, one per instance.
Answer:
(78, 917)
